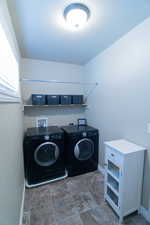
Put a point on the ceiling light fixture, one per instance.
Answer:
(76, 15)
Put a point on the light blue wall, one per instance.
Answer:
(47, 70)
(120, 106)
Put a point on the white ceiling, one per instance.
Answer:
(41, 33)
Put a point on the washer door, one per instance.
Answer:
(84, 149)
(46, 154)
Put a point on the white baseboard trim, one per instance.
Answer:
(101, 169)
(22, 205)
(145, 213)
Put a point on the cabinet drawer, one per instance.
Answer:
(114, 156)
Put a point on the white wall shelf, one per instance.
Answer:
(55, 106)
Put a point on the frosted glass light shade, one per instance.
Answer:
(76, 15)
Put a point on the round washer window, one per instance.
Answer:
(46, 154)
(84, 149)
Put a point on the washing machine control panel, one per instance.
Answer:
(46, 137)
(84, 134)
(92, 134)
(52, 137)
(56, 136)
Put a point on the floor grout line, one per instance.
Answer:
(85, 197)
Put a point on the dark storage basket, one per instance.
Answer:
(38, 99)
(77, 99)
(65, 99)
(53, 99)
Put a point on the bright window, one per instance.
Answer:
(9, 71)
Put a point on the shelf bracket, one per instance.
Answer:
(90, 91)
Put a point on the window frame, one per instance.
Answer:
(8, 92)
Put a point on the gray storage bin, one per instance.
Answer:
(52, 99)
(65, 99)
(38, 99)
(77, 99)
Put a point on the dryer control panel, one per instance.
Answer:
(92, 134)
(84, 134)
(46, 137)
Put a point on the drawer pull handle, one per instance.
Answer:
(105, 164)
(112, 155)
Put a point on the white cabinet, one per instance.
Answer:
(124, 162)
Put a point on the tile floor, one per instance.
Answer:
(73, 201)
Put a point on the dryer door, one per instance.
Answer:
(84, 149)
(46, 154)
